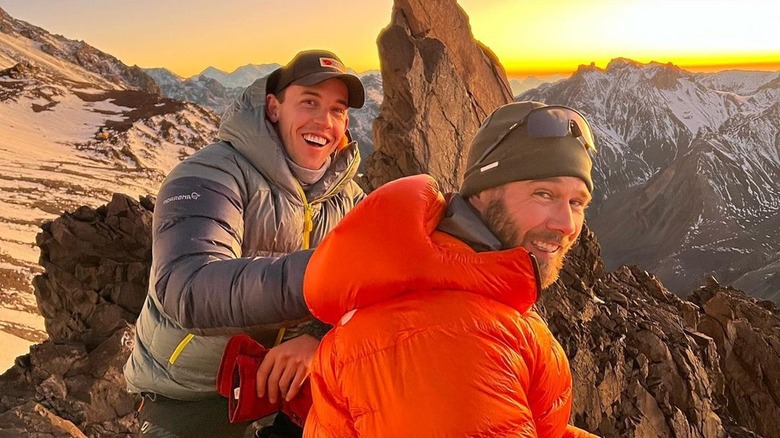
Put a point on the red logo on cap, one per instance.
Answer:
(330, 62)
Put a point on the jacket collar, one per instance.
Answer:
(463, 222)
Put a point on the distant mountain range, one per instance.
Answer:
(521, 85)
(216, 89)
(202, 90)
(687, 170)
(240, 77)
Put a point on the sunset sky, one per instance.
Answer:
(530, 37)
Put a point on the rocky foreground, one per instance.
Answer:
(645, 362)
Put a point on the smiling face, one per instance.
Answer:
(543, 216)
(311, 120)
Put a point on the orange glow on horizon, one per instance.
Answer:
(719, 66)
(540, 38)
(693, 65)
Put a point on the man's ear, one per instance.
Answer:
(481, 200)
(344, 139)
(272, 108)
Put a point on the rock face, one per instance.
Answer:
(439, 84)
(639, 369)
(649, 364)
(96, 265)
(32, 416)
(747, 333)
(91, 283)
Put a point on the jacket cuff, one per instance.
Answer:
(314, 328)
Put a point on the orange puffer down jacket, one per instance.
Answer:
(431, 338)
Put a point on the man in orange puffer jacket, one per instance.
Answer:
(432, 296)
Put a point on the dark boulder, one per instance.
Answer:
(96, 264)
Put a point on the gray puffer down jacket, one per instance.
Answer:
(228, 228)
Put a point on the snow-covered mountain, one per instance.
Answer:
(164, 78)
(212, 88)
(21, 41)
(361, 120)
(687, 170)
(71, 137)
(240, 77)
(204, 91)
(523, 84)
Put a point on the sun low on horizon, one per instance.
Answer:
(556, 36)
(530, 37)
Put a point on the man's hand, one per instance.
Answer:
(285, 367)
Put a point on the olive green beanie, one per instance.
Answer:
(518, 156)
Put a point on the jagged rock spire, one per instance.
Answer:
(439, 85)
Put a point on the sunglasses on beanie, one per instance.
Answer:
(553, 121)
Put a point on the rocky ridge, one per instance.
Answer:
(104, 66)
(645, 362)
(71, 137)
(69, 143)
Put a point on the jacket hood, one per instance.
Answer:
(388, 246)
(246, 128)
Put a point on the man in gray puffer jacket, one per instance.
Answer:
(231, 232)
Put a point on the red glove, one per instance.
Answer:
(298, 408)
(237, 380)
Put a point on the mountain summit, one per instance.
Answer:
(240, 77)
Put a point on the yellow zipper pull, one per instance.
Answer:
(308, 224)
(280, 336)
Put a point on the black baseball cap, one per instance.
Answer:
(311, 67)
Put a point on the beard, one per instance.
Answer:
(506, 231)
